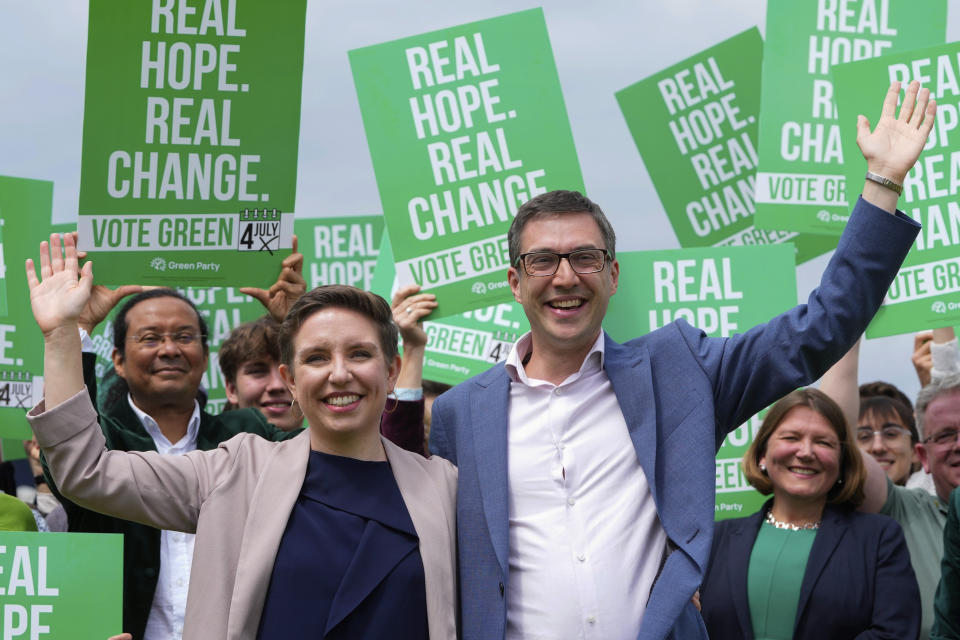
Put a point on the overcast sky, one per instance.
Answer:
(600, 47)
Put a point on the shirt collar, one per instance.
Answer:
(524, 345)
(193, 426)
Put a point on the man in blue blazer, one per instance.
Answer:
(586, 467)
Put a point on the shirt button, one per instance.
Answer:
(571, 501)
(582, 558)
(591, 619)
(557, 391)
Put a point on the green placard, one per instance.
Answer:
(223, 308)
(926, 291)
(3, 274)
(463, 345)
(464, 125)
(801, 184)
(190, 131)
(695, 125)
(61, 585)
(339, 250)
(25, 208)
(722, 291)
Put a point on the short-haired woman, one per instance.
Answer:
(336, 533)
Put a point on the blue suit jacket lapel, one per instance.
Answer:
(743, 536)
(831, 531)
(489, 402)
(630, 375)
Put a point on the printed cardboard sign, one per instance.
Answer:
(190, 132)
(804, 147)
(61, 585)
(463, 345)
(926, 291)
(339, 250)
(464, 125)
(695, 125)
(721, 291)
(25, 209)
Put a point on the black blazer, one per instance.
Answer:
(858, 582)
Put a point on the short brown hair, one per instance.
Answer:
(339, 296)
(249, 341)
(555, 203)
(848, 493)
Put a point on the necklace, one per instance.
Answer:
(780, 524)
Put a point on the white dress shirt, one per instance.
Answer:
(165, 621)
(585, 539)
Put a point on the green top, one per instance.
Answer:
(921, 516)
(777, 564)
(15, 515)
(946, 624)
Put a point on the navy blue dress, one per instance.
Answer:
(349, 564)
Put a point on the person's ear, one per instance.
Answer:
(287, 374)
(231, 388)
(920, 450)
(118, 364)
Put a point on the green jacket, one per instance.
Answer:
(141, 544)
(946, 606)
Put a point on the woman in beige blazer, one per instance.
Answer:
(254, 504)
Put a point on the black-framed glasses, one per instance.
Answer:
(945, 438)
(546, 263)
(888, 433)
(153, 339)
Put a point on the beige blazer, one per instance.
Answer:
(237, 499)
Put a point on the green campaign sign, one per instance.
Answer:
(695, 125)
(463, 345)
(61, 585)
(25, 209)
(722, 291)
(801, 183)
(339, 250)
(926, 291)
(464, 125)
(223, 309)
(190, 131)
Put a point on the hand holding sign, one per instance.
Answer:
(289, 286)
(893, 147)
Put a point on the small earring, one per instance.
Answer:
(763, 467)
(839, 481)
(396, 403)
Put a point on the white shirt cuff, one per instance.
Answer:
(408, 394)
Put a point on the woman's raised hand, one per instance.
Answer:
(60, 295)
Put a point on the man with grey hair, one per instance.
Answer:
(921, 514)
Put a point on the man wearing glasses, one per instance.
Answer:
(922, 515)
(586, 467)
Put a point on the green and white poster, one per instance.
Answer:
(801, 183)
(462, 345)
(190, 132)
(339, 250)
(722, 291)
(25, 209)
(61, 585)
(695, 125)
(926, 291)
(464, 125)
